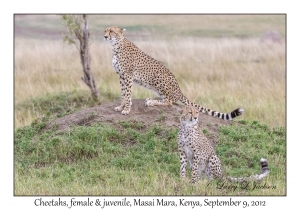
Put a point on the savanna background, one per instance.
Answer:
(220, 61)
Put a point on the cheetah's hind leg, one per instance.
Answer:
(157, 102)
(214, 167)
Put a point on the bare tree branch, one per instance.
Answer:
(81, 33)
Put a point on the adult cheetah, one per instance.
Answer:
(134, 66)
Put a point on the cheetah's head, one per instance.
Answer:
(189, 115)
(113, 33)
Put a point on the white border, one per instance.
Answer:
(154, 6)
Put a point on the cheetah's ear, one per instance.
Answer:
(123, 29)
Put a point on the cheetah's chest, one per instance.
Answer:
(187, 139)
(189, 153)
(115, 64)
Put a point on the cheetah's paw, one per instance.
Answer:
(125, 111)
(118, 108)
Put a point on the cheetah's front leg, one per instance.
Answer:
(202, 168)
(183, 160)
(122, 85)
(196, 161)
(127, 93)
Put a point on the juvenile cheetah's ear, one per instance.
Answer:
(123, 29)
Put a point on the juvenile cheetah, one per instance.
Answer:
(134, 66)
(195, 148)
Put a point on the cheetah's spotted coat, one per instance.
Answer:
(134, 66)
(195, 148)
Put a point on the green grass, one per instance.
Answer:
(254, 141)
(100, 160)
(55, 105)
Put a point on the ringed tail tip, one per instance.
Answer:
(241, 110)
(263, 160)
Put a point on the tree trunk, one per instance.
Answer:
(86, 59)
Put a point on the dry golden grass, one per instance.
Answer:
(221, 74)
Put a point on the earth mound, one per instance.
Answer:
(168, 116)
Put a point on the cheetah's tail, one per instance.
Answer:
(224, 116)
(264, 172)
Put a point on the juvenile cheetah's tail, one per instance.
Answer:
(224, 116)
(264, 172)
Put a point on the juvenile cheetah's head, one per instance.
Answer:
(189, 115)
(113, 33)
